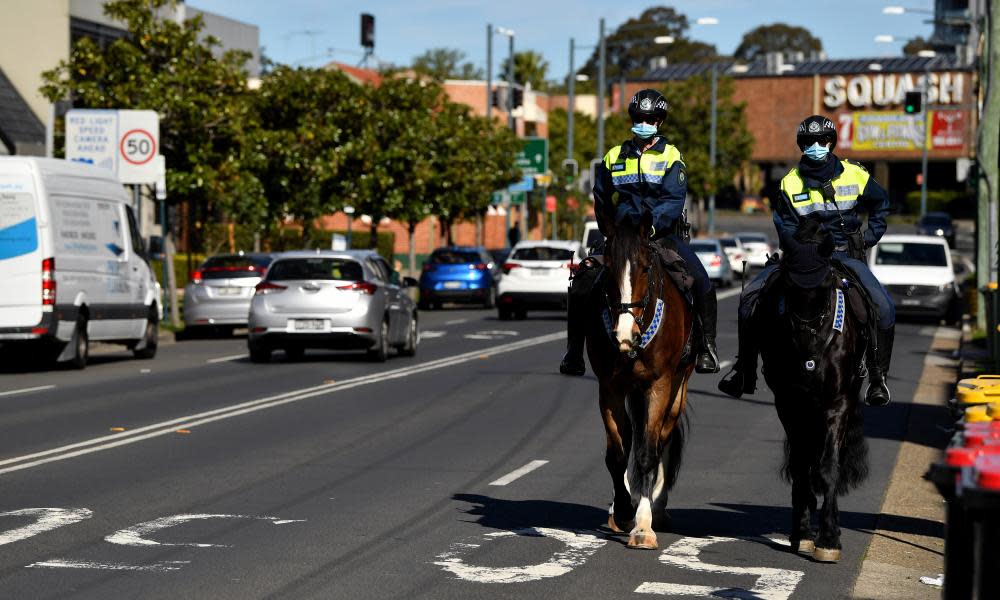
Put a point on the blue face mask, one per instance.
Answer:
(644, 131)
(817, 152)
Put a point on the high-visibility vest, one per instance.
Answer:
(650, 167)
(847, 187)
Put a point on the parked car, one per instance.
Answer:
(592, 235)
(714, 258)
(918, 273)
(459, 274)
(536, 276)
(344, 300)
(734, 251)
(73, 265)
(218, 293)
(757, 247)
(939, 224)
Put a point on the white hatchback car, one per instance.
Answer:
(536, 276)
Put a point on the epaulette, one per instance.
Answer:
(856, 164)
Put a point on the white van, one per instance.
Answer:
(72, 262)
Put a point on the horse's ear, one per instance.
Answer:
(646, 223)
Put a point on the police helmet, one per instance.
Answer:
(816, 128)
(647, 103)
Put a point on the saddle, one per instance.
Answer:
(859, 301)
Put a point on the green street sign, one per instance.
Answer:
(517, 197)
(533, 159)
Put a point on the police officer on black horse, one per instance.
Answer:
(644, 174)
(831, 190)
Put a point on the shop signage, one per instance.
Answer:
(864, 91)
(881, 131)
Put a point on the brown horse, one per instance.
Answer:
(637, 350)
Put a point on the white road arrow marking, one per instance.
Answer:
(431, 334)
(136, 535)
(160, 567)
(46, 519)
(579, 547)
(518, 473)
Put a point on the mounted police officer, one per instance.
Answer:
(830, 190)
(644, 174)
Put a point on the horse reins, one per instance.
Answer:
(653, 279)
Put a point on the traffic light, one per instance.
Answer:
(367, 31)
(913, 103)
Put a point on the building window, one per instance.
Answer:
(102, 35)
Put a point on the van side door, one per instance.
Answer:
(138, 272)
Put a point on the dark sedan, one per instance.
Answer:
(939, 224)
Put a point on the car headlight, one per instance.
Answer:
(944, 287)
(939, 232)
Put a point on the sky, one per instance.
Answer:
(313, 32)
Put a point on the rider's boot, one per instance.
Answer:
(707, 360)
(572, 362)
(879, 356)
(742, 379)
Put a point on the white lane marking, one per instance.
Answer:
(492, 334)
(728, 294)
(46, 519)
(579, 547)
(27, 390)
(226, 358)
(431, 334)
(771, 584)
(136, 535)
(227, 412)
(518, 473)
(456, 321)
(58, 563)
(725, 364)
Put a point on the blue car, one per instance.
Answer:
(465, 274)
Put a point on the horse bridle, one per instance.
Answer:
(814, 331)
(623, 307)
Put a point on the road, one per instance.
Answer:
(473, 470)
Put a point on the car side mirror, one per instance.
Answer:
(394, 278)
(410, 282)
(154, 247)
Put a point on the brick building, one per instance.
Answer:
(864, 97)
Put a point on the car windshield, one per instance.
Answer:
(231, 266)
(728, 242)
(911, 254)
(704, 246)
(340, 269)
(454, 257)
(542, 253)
(753, 237)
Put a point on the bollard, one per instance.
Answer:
(989, 292)
(981, 491)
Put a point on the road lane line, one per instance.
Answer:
(728, 294)
(191, 421)
(518, 473)
(226, 358)
(456, 321)
(725, 364)
(26, 390)
(59, 563)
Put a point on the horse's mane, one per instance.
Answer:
(625, 243)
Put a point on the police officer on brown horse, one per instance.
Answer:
(644, 174)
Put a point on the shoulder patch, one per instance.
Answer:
(682, 177)
(856, 164)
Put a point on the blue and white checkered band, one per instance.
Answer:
(654, 325)
(608, 325)
(838, 314)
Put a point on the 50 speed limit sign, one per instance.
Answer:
(138, 146)
(138, 143)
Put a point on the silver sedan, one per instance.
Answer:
(349, 300)
(219, 292)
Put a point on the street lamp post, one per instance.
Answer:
(571, 85)
(601, 51)
(489, 73)
(711, 148)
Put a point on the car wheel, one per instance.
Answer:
(504, 314)
(412, 339)
(436, 305)
(491, 298)
(82, 342)
(380, 351)
(151, 338)
(295, 353)
(258, 353)
(424, 304)
(520, 314)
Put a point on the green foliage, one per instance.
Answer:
(446, 63)
(914, 46)
(529, 68)
(777, 37)
(631, 47)
(955, 202)
(198, 91)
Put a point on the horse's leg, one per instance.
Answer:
(800, 456)
(672, 439)
(647, 409)
(828, 541)
(618, 431)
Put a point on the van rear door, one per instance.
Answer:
(20, 251)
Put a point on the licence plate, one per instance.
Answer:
(228, 291)
(910, 302)
(541, 272)
(309, 324)
(452, 285)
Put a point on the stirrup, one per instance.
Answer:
(572, 365)
(877, 394)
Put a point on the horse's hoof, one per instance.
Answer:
(615, 528)
(804, 547)
(827, 555)
(642, 540)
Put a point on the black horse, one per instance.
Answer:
(813, 362)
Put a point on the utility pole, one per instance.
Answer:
(987, 150)
(711, 148)
(572, 102)
(489, 73)
(601, 49)
(510, 82)
(924, 98)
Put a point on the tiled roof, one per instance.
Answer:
(851, 66)
(358, 74)
(19, 127)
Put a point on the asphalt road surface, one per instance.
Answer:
(473, 470)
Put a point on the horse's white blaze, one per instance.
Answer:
(625, 321)
(644, 514)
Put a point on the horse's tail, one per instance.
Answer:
(675, 450)
(853, 452)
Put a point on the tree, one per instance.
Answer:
(631, 47)
(529, 68)
(446, 63)
(917, 45)
(309, 142)
(777, 37)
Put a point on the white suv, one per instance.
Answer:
(917, 272)
(536, 276)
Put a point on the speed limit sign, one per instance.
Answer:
(138, 143)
